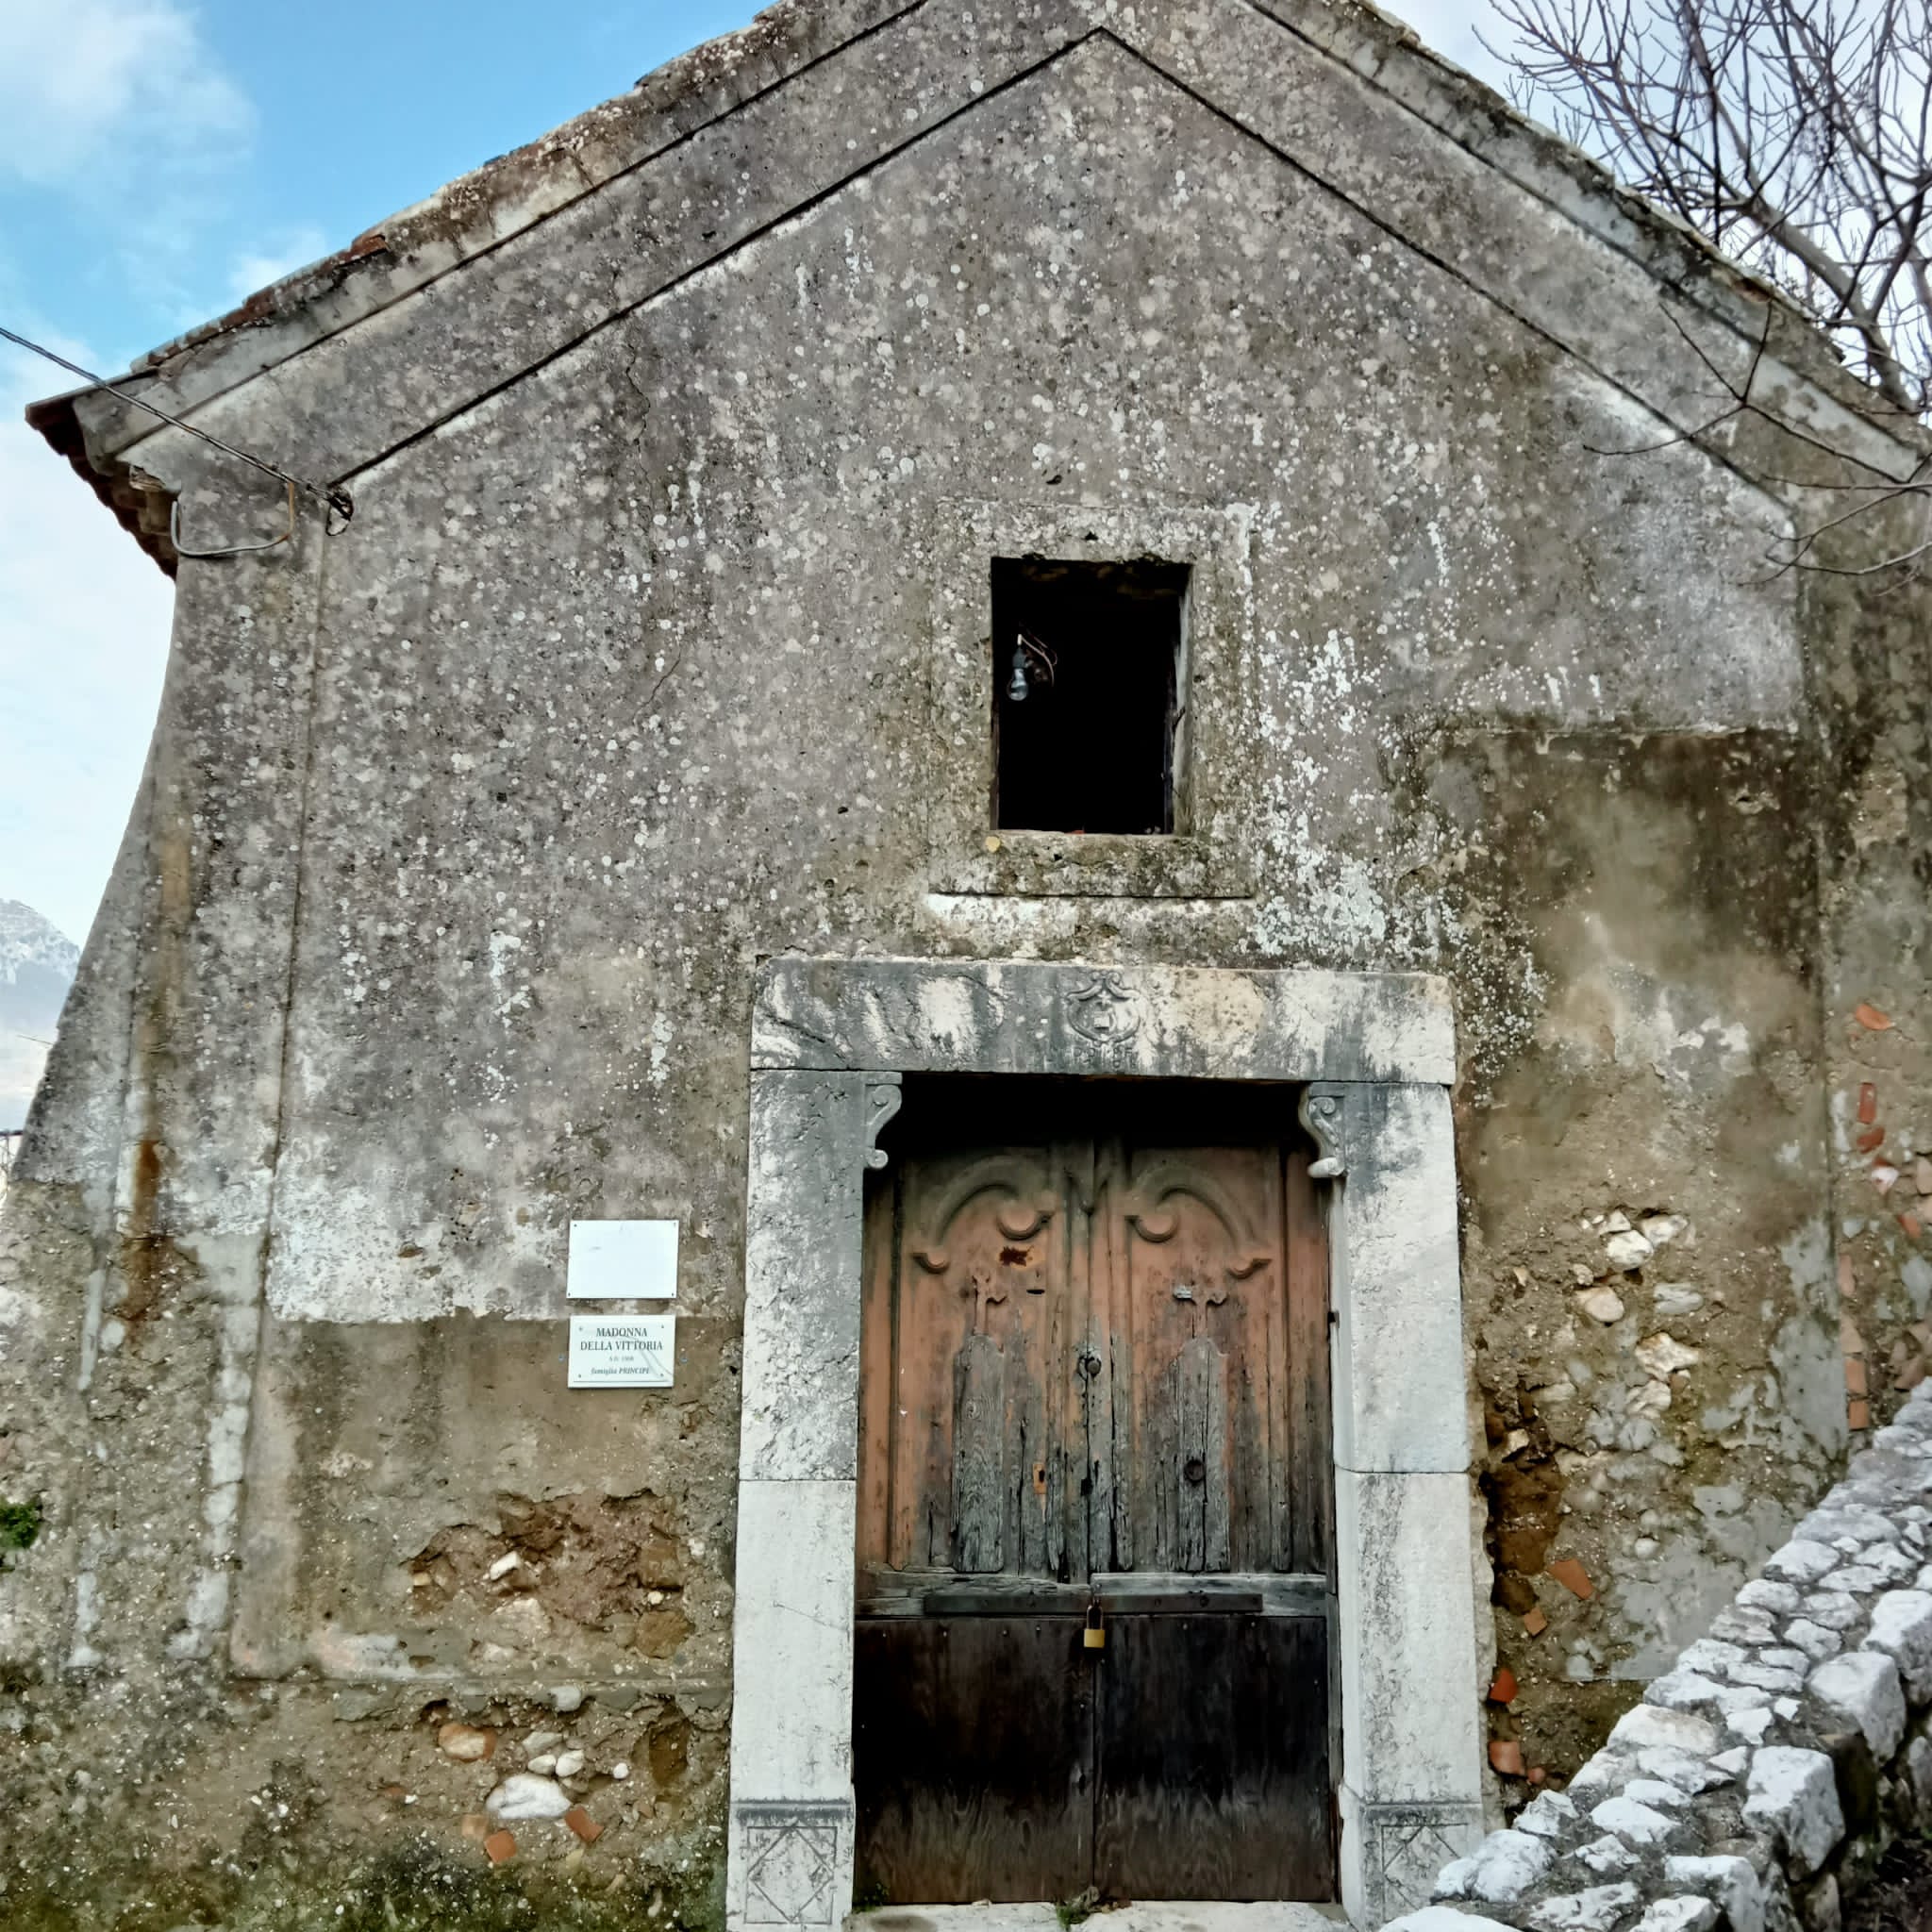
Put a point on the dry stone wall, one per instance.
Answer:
(1759, 1782)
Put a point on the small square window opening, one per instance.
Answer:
(1089, 683)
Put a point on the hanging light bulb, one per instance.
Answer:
(1017, 686)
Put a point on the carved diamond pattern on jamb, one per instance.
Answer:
(790, 1865)
(1410, 1848)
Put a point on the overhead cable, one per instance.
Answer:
(331, 497)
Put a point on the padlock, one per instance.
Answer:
(1093, 1636)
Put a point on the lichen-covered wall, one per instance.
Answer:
(658, 649)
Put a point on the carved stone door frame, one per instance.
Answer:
(831, 1039)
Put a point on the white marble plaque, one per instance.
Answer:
(621, 1350)
(617, 1261)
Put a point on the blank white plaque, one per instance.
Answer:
(619, 1260)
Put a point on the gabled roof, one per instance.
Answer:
(505, 203)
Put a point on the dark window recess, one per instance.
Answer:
(1087, 673)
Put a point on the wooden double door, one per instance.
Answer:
(1094, 1615)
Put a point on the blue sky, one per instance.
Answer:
(159, 160)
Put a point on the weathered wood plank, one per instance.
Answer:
(971, 1758)
(1213, 1771)
(979, 1419)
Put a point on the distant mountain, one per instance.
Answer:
(37, 966)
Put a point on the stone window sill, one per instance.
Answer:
(1099, 865)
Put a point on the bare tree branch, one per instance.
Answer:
(1796, 134)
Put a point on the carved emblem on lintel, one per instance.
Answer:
(884, 1097)
(1323, 1111)
(1103, 1007)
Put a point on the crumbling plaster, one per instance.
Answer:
(467, 825)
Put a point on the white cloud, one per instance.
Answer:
(84, 626)
(110, 88)
(255, 269)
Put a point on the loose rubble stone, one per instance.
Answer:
(1738, 1888)
(1644, 1726)
(1503, 1867)
(1767, 1593)
(1821, 1911)
(1546, 1815)
(1814, 1639)
(1793, 1793)
(569, 1763)
(1605, 1855)
(522, 1795)
(1629, 1250)
(1919, 1768)
(1902, 1628)
(465, 1743)
(1675, 1299)
(1662, 1355)
(1637, 1822)
(1680, 1769)
(1603, 1304)
(1864, 1688)
(1654, 1791)
(1828, 1641)
(1444, 1919)
(565, 1698)
(1687, 1691)
(1802, 1562)
(1678, 1915)
(1595, 1910)
(1832, 1609)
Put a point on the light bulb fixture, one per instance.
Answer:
(1017, 686)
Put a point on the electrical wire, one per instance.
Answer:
(336, 498)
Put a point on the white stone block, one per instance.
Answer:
(1862, 1686)
(1902, 1628)
(1399, 1395)
(1406, 1624)
(800, 1416)
(1794, 1794)
(792, 1649)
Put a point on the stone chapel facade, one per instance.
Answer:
(1109, 694)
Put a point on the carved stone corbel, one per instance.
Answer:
(884, 1096)
(1323, 1111)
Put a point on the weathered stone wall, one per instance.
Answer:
(1762, 1779)
(467, 826)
